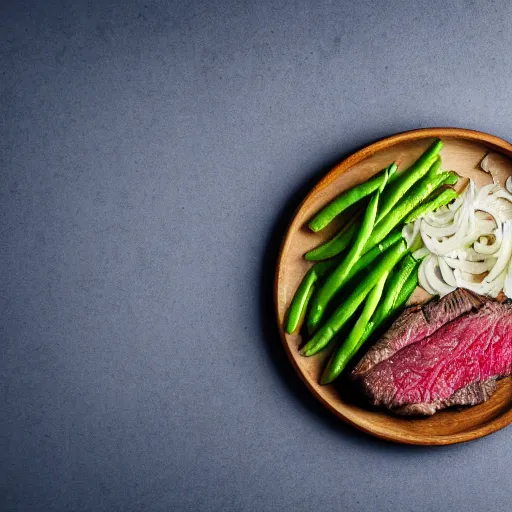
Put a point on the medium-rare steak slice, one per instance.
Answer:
(418, 322)
(473, 394)
(472, 348)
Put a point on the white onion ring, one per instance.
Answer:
(434, 281)
(507, 288)
(489, 249)
(447, 273)
(465, 239)
(471, 267)
(505, 254)
(411, 231)
(420, 253)
(468, 254)
(422, 278)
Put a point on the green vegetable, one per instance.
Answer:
(404, 181)
(342, 314)
(396, 283)
(339, 276)
(372, 254)
(348, 198)
(300, 301)
(407, 289)
(341, 357)
(443, 198)
(417, 195)
(451, 179)
(363, 262)
(334, 246)
(384, 311)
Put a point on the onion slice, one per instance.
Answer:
(471, 267)
(447, 273)
(488, 249)
(422, 278)
(420, 253)
(434, 280)
(467, 243)
(507, 288)
(505, 253)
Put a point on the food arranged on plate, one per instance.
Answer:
(447, 352)
(425, 226)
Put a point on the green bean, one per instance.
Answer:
(381, 314)
(416, 244)
(338, 277)
(348, 198)
(384, 311)
(407, 289)
(300, 301)
(343, 313)
(372, 254)
(408, 178)
(419, 193)
(444, 197)
(363, 262)
(341, 357)
(334, 246)
(396, 283)
(451, 179)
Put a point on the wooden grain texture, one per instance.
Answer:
(463, 150)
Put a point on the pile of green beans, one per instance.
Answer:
(350, 197)
(340, 274)
(367, 268)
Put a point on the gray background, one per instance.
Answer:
(151, 155)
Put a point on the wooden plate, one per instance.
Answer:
(463, 150)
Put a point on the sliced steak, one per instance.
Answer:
(472, 394)
(418, 322)
(446, 367)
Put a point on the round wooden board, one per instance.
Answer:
(462, 152)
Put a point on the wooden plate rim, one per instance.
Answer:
(421, 133)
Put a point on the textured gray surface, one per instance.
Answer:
(151, 155)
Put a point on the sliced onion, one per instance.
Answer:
(507, 288)
(488, 213)
(485, 191)
(460, 239)
(491, 289)
(471, 267)
(466, 240)
(503, 194)
(447, 273)
(439, 218)
(498, 284)
(439, 232)
(434, 280)
(468, 254)
(508, 184)
(499, 209)
(411, 231)
(486, 248)
(420, 253)
(505, 253)
(455, 205)
(464, 282)
(422, 278)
